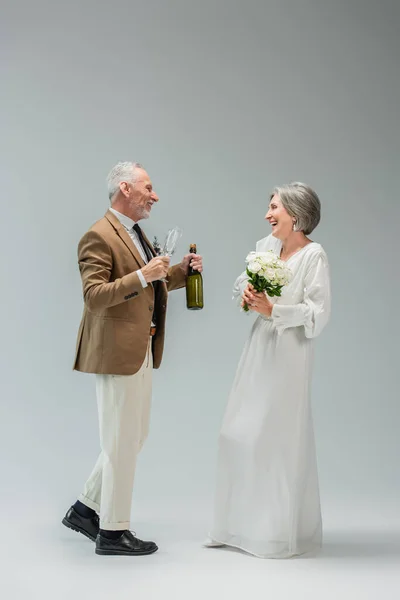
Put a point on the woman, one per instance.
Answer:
(267, 499)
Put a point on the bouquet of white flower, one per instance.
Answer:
(267, 273)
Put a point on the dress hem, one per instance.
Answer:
(313, 547)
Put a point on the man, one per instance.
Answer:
(121, 339)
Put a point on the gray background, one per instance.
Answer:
(220, 101)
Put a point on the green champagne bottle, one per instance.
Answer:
(194, 286)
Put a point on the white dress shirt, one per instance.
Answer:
(128, 224)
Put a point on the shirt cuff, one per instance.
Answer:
(141, 278)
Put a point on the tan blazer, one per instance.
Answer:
(115, 327)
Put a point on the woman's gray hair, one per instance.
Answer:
(302, 203)
(123, 171)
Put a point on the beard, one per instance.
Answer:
(145, 214)
(142, 212)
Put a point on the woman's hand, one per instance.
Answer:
(257, 301)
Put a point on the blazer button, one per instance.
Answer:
(126, 297)
(151, 307)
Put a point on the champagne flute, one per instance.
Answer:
(170, 243)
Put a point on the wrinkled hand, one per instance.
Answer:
(156, 268)
(257, 301)
(192, 260)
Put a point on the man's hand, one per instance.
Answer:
(192, 260)
(156, 269)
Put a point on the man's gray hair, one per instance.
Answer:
(123, 171)
(302, 203)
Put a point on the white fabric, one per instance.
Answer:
(124, 415)
(128, 223)
(267, 497)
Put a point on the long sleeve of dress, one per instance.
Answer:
(239, 286)
(313, 313)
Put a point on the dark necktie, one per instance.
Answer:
(145, 247)
(149, 255)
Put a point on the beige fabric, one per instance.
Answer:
(124, 414)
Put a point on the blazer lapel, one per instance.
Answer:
(125, 237)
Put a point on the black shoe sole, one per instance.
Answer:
(123, 553)
(78, 529)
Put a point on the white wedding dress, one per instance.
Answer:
(267, 497)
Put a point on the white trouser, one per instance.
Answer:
(124, 413)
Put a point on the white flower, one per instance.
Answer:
(266, 258)
(254, 266)
(270, 273)
(251, 256)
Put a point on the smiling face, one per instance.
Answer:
(279, 219)
(139, 196)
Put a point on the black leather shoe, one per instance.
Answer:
(89, 527)
(126, 545)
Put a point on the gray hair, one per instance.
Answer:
(302, 203)
(123, 171)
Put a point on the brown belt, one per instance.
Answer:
(153, 331)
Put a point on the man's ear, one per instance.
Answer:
(124, 188)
